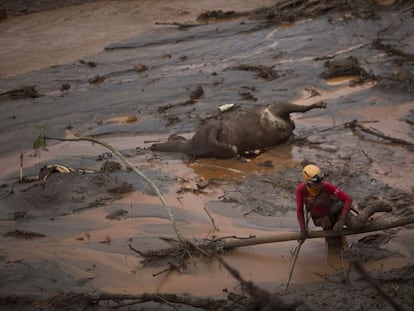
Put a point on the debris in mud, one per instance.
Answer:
(107, 241)
(348, 67)
(312, 92)
(397, 81)
(140, 67)
(131, 119)
(96, 79)
(260, 299)
(409, 118)
(226, 107)
(219, 14)
(110, 166)
(19, 216)
(195, 95)
(180, 26)
(22, 7)
(191, 189)
(368, 248)
(104, 156)
(108, 301)
(391, 50)
(401, 79)
(29, 91)
(247, 96)
(355, 124)
(88, 63)
(172, 119)
(290, 11)
(397, 284)
(65, 87)
(264, 72)
(267, 163)
(117, 214)
(62, 194)
(46, 170)
(24, 234)
(175, 257)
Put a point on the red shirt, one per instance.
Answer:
(320, 204)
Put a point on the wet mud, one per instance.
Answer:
(71, 240)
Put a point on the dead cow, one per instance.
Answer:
(239, 130)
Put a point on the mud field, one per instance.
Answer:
(87, 238)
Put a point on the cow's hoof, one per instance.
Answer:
(175, 137)
(321, 104)
(234, 149)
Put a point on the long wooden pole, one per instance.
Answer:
(291, 236)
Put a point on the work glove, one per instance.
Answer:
(339, 225)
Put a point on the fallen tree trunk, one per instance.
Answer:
(291, 236)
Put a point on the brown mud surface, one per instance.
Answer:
(69, 240)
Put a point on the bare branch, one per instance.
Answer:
(355, 124)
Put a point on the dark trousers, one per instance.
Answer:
(329, 221)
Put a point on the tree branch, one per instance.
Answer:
(355, 124)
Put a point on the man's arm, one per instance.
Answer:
(344, 197)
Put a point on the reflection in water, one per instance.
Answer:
(277, 158)
(341, 80)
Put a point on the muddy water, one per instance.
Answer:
(79, 242)
(85, 251)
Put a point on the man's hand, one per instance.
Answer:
(302, 236)
(339, 225)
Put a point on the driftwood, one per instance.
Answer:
(356, 124)
(263, 71)
(194, 96)
(29, 91)
(196, 302)
(260, 299)
(180, 25)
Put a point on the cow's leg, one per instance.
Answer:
(286, 108)
(213, 133)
